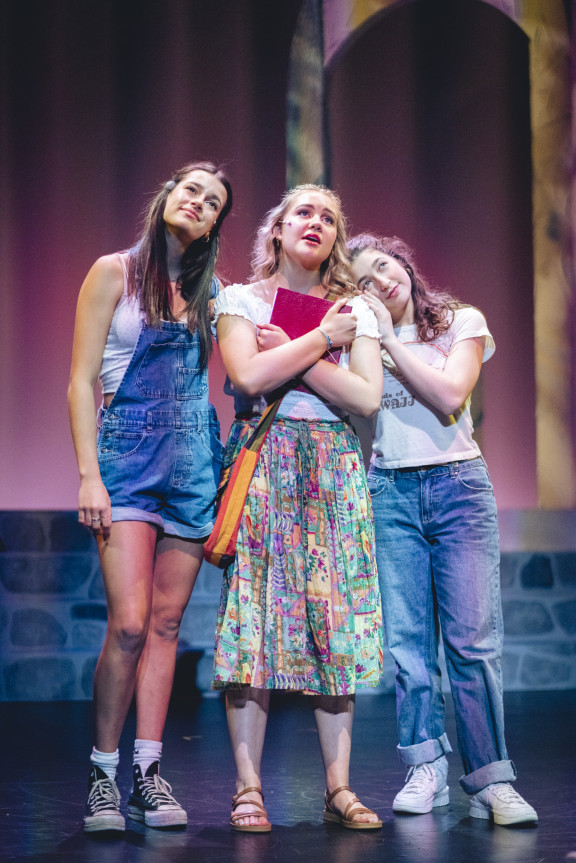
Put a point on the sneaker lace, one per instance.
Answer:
(103, 795)
(418, 778)
(157, 791)
(506, 793)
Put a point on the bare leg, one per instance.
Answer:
(247, 713)
(176, 567)
(127, 560)
(334, 718)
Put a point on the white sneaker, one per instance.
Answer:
(425, 788)
(503, 803)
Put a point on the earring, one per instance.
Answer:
(206, 237)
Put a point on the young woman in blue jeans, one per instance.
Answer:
(149, 472)
(436, 535)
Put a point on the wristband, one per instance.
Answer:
(327, 337)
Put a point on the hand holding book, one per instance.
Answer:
(298, 314)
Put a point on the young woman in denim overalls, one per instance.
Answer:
(149, 473)
(436, 536)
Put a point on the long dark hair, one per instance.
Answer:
(433, 309)
(148, 270)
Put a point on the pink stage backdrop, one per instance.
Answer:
(430, 140)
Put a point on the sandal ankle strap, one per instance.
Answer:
(330, 797)
(244, 791)
(353, 808)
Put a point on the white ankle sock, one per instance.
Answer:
(145, 752)
(106, 761)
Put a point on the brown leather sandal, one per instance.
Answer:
(259, 812)
(345, 820)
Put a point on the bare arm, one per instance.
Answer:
(445, 389)
(255, 371)
(97, 300)
(357, 389)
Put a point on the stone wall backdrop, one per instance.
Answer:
(53, 613)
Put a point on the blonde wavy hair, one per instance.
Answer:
(335, 275)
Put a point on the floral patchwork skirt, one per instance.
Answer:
(300, 607)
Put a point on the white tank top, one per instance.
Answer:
(122, 337)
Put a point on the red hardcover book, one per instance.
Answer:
(297, 314)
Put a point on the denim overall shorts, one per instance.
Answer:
(159, 447)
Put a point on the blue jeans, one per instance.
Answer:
(438, 559)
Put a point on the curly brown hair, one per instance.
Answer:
(334, 271)
(433, 308)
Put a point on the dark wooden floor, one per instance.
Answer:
(45, 747)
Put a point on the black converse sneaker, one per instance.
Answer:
(103, 806)
(151, 800)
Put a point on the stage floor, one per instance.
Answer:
(44, 766)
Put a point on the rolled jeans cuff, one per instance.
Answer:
(497, 771)
(420, 753)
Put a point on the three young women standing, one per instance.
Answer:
(300, 608)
